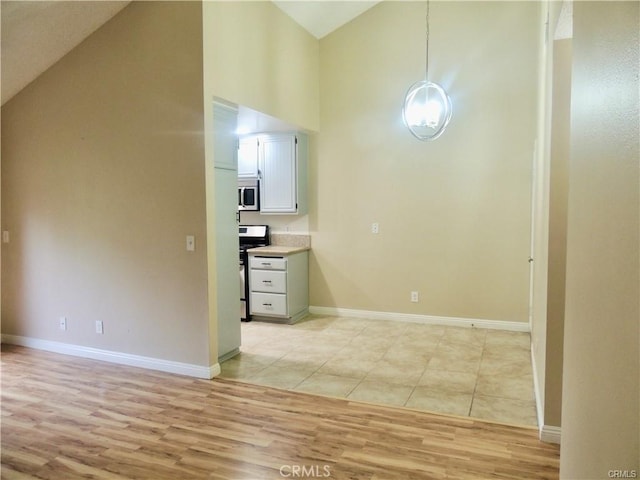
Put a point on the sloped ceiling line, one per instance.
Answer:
(35, 35)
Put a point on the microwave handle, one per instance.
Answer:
(242, 197)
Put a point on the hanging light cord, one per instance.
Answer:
(427, 107)
(426, 63)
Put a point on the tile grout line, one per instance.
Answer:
(331, 357)
(475, 386)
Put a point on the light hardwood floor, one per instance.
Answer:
(66, 418)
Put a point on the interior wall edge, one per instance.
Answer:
(547, 433)
(537, 392)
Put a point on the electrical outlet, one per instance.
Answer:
(375, 228)
(414, 296)
(99, 327)
(63, 323)
(5, 236)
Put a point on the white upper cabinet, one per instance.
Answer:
(278, 186)
(279, 160)
(248, 157)
(283, 173)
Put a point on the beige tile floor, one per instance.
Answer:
(462, 371)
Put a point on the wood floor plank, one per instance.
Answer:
(89, 419)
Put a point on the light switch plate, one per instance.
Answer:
(191, 243)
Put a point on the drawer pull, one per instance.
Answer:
(266, 281)
(266, 264)
(266, 304)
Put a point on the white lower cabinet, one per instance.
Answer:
(279, 286)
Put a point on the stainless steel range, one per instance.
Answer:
(250, 236)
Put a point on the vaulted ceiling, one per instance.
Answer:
(322, 17)
(36, 34)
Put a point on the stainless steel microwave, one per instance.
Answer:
(249, 195)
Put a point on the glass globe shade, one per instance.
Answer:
(427, 110)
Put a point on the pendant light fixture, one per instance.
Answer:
(427, 107)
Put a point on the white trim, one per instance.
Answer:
(227, 356)
(115, 357)
(550, 434)
(547, 433)
(536, 392)
(213, 371)
(426, 319)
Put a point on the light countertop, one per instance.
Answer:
(277, 250)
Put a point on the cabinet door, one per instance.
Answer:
(278, 188)
(248, 157)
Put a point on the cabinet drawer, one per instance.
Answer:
(268, 263)
(268, 304)
(268, 281)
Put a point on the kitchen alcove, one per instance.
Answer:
(230, 123)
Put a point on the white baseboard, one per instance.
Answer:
(550, 434)
(425, 319)
(228, 355)
(115, 357)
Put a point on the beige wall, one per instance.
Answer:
(454, 214)
(102, 179)
(257, 56)
(600, 397)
